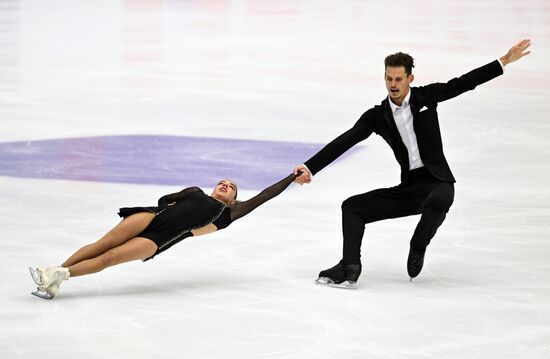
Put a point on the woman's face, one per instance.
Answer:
(225, 191)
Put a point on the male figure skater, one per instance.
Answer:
(407, 120)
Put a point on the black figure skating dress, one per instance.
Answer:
(192, 210)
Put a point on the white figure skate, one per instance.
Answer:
(48, 279)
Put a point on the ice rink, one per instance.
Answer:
(106, 104)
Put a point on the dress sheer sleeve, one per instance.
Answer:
(241, 209)
(178, 196)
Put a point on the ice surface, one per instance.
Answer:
(292, 71)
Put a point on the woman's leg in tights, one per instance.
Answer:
(127, 229)
(134, 249)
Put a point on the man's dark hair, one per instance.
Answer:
(400, 59)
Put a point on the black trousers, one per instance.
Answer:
(420, 194)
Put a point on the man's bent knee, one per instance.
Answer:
(441, 200)
(352, 204)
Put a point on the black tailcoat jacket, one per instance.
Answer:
(423, 102)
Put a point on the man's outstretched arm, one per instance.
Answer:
(360, 131)
(439, 92)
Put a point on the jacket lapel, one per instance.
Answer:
(394, 138)
(388, 117)
(413, 102)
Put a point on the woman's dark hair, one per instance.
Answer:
(400, 59)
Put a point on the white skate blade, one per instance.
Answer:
(323, 281)
(36, 277)
(344, 285)
(327, 281)
(42, 294)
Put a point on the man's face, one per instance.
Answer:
(397, 83)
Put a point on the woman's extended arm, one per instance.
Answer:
(241, 209)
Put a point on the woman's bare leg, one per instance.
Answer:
(134, 249)
(127, 229)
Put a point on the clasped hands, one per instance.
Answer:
(305, 177)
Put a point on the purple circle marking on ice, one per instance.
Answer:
(163, 160)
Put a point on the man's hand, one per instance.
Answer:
(305, 177)
(516, 52)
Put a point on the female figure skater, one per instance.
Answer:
(145, 232)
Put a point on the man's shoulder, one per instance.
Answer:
(374, 115)
(369, 114)
(419, 96)
(377, 110)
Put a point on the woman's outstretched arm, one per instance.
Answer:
(241, 209)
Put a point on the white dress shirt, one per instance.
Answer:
(403, 119)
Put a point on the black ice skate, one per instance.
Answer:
(340, 276)
(415, 262)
